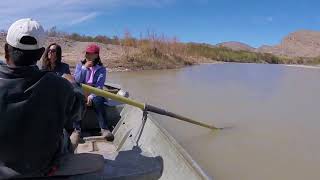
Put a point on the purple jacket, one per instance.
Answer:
(99, 76)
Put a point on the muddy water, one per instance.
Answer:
(273, 112)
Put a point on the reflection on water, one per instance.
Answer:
(273, 111)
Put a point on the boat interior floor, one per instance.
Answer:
(120, 164)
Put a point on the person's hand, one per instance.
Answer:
(89, 101)
(69, 78)
(88, 64)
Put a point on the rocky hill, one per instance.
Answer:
(304, 43)
(236, 46)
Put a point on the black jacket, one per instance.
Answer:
(34, 108)
(60, 69)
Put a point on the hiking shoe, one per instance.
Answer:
(107, 134)
(75, 138)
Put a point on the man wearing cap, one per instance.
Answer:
(34, 105)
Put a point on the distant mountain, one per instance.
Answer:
(303, 43)
(236, 46)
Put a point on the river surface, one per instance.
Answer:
(273, 112)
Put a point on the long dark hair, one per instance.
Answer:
(97, 61)
(46, 64)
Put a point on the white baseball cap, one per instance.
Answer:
(26, 28)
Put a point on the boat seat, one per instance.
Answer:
(75, 164)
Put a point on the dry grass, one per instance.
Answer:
(156, 52)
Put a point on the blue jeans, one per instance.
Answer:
(98, 107)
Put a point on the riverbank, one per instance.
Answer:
(156, 53)
(304, 66)
(114, 68)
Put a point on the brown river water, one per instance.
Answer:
(273, 112)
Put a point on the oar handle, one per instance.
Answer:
(177, 116)
(106, 94)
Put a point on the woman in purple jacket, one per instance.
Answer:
(91, 72)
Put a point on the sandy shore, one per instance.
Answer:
(303, 66)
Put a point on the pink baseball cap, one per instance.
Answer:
(93, 49)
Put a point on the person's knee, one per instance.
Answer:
(98, 100)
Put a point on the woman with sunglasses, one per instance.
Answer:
(92, 72)
(51, 60)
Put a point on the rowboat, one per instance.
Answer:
(141, 149)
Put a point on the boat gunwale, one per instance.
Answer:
(185, 155)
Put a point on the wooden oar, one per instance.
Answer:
(142, 106)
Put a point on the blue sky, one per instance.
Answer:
(207, 21)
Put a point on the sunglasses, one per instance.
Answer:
(52, 50)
